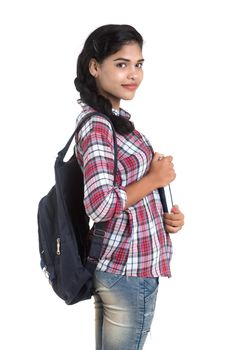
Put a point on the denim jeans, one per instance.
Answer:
(124, 309)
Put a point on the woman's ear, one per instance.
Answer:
(93, 67)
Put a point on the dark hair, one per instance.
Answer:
(101, 43)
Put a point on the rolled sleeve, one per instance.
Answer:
(102, 200)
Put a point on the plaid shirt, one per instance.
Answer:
(135, 243)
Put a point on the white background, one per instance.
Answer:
(184, 107)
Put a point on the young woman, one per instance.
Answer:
(137, 247)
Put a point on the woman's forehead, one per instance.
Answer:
(129, 51)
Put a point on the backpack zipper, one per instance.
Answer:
(58, 246)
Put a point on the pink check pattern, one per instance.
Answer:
(135, 243)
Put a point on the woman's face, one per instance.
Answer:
(120, 74)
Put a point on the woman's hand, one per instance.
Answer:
(174, 220)
(161, 171)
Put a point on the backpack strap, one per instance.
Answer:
(98, 230)
(63, 152)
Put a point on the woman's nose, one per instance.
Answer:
(132, 74)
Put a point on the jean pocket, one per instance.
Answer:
(107, 279)
(151, 287)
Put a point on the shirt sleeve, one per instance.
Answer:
(102, 200)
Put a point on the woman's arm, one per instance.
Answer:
(102, 200)
(139, 189)
(160, 174)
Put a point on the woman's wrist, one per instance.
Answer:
(153, 182)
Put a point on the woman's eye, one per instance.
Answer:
(139, 65)
(124, 65)
(121, 65)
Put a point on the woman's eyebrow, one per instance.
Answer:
(127, 60)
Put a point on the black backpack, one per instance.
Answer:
(69, 249)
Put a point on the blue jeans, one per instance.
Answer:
(124, 308)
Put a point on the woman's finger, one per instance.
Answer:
(172, 229)
(174, 223)
(169, 216)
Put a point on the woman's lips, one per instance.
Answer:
(130, 86)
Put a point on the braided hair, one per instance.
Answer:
(101, 43)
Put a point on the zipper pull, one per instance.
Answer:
(58, 246)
